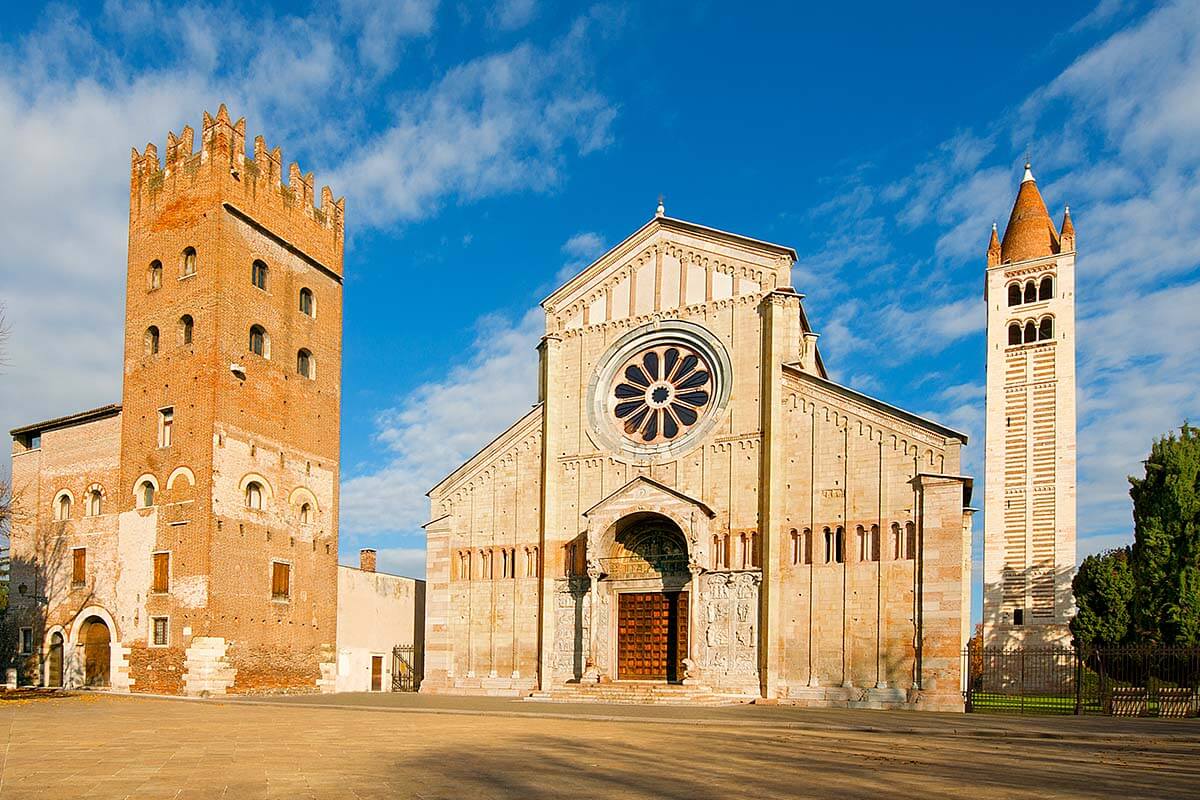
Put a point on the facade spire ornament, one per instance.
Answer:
(660, 211)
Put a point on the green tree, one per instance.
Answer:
(1165, 559)
(1103, 589)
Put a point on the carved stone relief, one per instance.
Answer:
(570, 628)
(729, 614)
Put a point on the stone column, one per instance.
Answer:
(780, 344)
(591, 673)
(550, 352)
(695, 625)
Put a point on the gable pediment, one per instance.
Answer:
(668, 264)
(646, 493)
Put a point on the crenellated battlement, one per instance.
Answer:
(220, 166)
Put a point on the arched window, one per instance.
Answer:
(151, 340)
(305, 513)
(1030, 292)
(1046, 288)
(305, 364)
(154, 279)
(259, 344)
(1014, 294)
(307, 304)
(716, 552)
(1014, 333)
(1046, 329)
(1030, 332)
(868, 549)
(898, 542)
(146, 494)
(188, 262)
(254, 495)
(95, 502)
(536, 566)
(910, 540)
(833, 545)
(62, 507)
(186, 327)
(743, 552)
(258, 275)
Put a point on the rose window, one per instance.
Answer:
(661, 392)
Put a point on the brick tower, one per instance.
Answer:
(1029, 527)
(229, 432)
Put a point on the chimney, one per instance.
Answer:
(366, 559)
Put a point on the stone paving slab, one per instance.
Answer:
(100, 746)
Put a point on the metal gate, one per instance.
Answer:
(404, 673)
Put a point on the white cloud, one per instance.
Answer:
(582, 249)
(500, 123)
(512, 14)
(439, 425)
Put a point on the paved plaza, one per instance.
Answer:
(405, 746)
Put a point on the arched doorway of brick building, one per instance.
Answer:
(97, 642)
(54, 672)
(649, 570)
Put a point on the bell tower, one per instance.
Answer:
(1029, 524)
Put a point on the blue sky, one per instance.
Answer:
(487, 151)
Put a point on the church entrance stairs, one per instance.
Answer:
(640, 693)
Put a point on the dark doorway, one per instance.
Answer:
(376, 673)
(652, 635)
(54, 676)
(96, 640)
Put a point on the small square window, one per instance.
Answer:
(26, 641)
(160, 631)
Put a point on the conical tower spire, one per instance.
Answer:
(993, 253)
(1068, 230)
(1030, 232)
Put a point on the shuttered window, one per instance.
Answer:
(162, 573)
(79, 566)
(280, 580)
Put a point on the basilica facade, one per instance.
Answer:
(694, 506)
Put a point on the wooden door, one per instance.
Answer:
(376, 673)
(651, 635)
(96, 653)
(55, 676)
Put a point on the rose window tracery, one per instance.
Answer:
(661, 392)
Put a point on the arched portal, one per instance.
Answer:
(97, 640)
(54, 661)
(648, 572)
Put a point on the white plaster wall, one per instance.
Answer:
(376, 612)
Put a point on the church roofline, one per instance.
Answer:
(880, 405)
(673, 224)
(537, 409)
(78, 418)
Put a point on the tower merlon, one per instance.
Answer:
(222, 164)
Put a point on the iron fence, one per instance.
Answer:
(404, 673)
(1119, 681)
